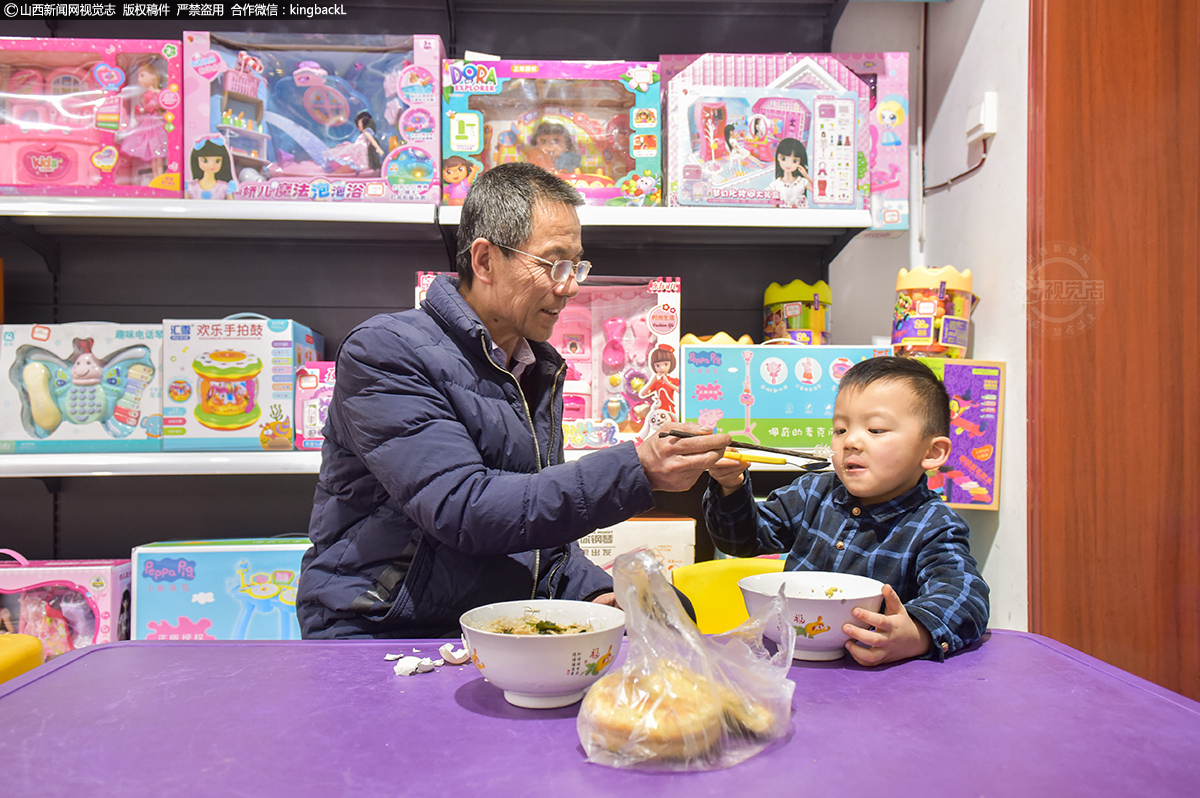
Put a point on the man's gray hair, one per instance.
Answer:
(500, 205)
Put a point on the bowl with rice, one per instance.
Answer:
(819, 604)
(543, 653)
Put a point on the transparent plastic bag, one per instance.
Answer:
(683, 700)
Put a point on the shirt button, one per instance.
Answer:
(839, 545)
(856, 511)
(946, 648)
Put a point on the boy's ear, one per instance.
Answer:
(937, 453)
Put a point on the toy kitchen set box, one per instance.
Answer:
(238, 589)
(771, 395)
(596, 124)
(98, 117)
(230, 384)
(318, 117)
(87, 387)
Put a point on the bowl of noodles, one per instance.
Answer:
(543, 653)
(819, 604)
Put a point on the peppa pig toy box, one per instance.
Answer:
(237, 589)
(229, 384)
(67, 604)
(620, 340)
(85, 387)
(317, 117)
(314, 390)
(97, 117)
(596, 124)
(772, 395)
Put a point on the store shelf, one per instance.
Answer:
(693, 225)
(158, 464)
(100, 216)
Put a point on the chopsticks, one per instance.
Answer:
(678, 433)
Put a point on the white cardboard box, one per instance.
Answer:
(670, 538)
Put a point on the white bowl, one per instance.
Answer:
(819, 605)
(543, 671)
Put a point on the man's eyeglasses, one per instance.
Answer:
(560, 270)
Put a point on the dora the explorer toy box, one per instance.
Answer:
(596, 124)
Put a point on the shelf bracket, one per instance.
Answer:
(47, 248)
(53, 484)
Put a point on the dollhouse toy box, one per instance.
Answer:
(237, 589)
(596, 124)
(67, 604)
(773, 395)
(620, 339)
(767, 131)
(319, 117)
(970, 478)
(229, 384)
(98, 117)
(88, 387)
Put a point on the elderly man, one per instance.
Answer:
(442, 483)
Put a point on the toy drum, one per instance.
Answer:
(933, 312)
(228, 389)
(798, 312)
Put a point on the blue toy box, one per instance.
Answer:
(229, 384)
(90, 387)
(772, 395)
(240, 589)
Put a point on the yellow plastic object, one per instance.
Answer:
(713, 590)
(18, 654)
(717, 339)
(798, 312)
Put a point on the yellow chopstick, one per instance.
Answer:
(753, 458)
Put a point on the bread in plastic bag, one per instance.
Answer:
(683, 700)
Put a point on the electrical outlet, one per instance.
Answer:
(981, 118)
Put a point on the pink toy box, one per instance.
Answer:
(620, 338)
(68, 604)
(785, 131)
(314, 390)
(596, 124)
(320, 117)
(99, 117)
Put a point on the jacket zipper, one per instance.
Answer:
(537, 449)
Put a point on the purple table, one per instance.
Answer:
(1017, 715)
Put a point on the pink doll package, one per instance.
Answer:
(322, 117)
(596, 124)
(67, 604)
(93, 117)
(314, 390)
(620, 339)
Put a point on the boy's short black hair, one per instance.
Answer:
(932, 401)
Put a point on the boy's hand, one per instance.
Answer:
(896, 635)
(729, 474)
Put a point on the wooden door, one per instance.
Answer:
(1114, 333)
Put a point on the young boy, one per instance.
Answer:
(874, 516)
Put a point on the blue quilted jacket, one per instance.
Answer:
(443, 485)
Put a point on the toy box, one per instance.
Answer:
(670, 538)
(68, 604)
(322, 117)
(773, 395)
(620, 338)
(596, 124)
(238, 589)
(89, 387)
(314, 391)
(767, 131)
(229, 384)
(971, 477)
(97, 117)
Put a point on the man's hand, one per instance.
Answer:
(674, 464)
(896, 635)
(608, 599)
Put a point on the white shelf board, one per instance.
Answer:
(193, 218)
(158, 464)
